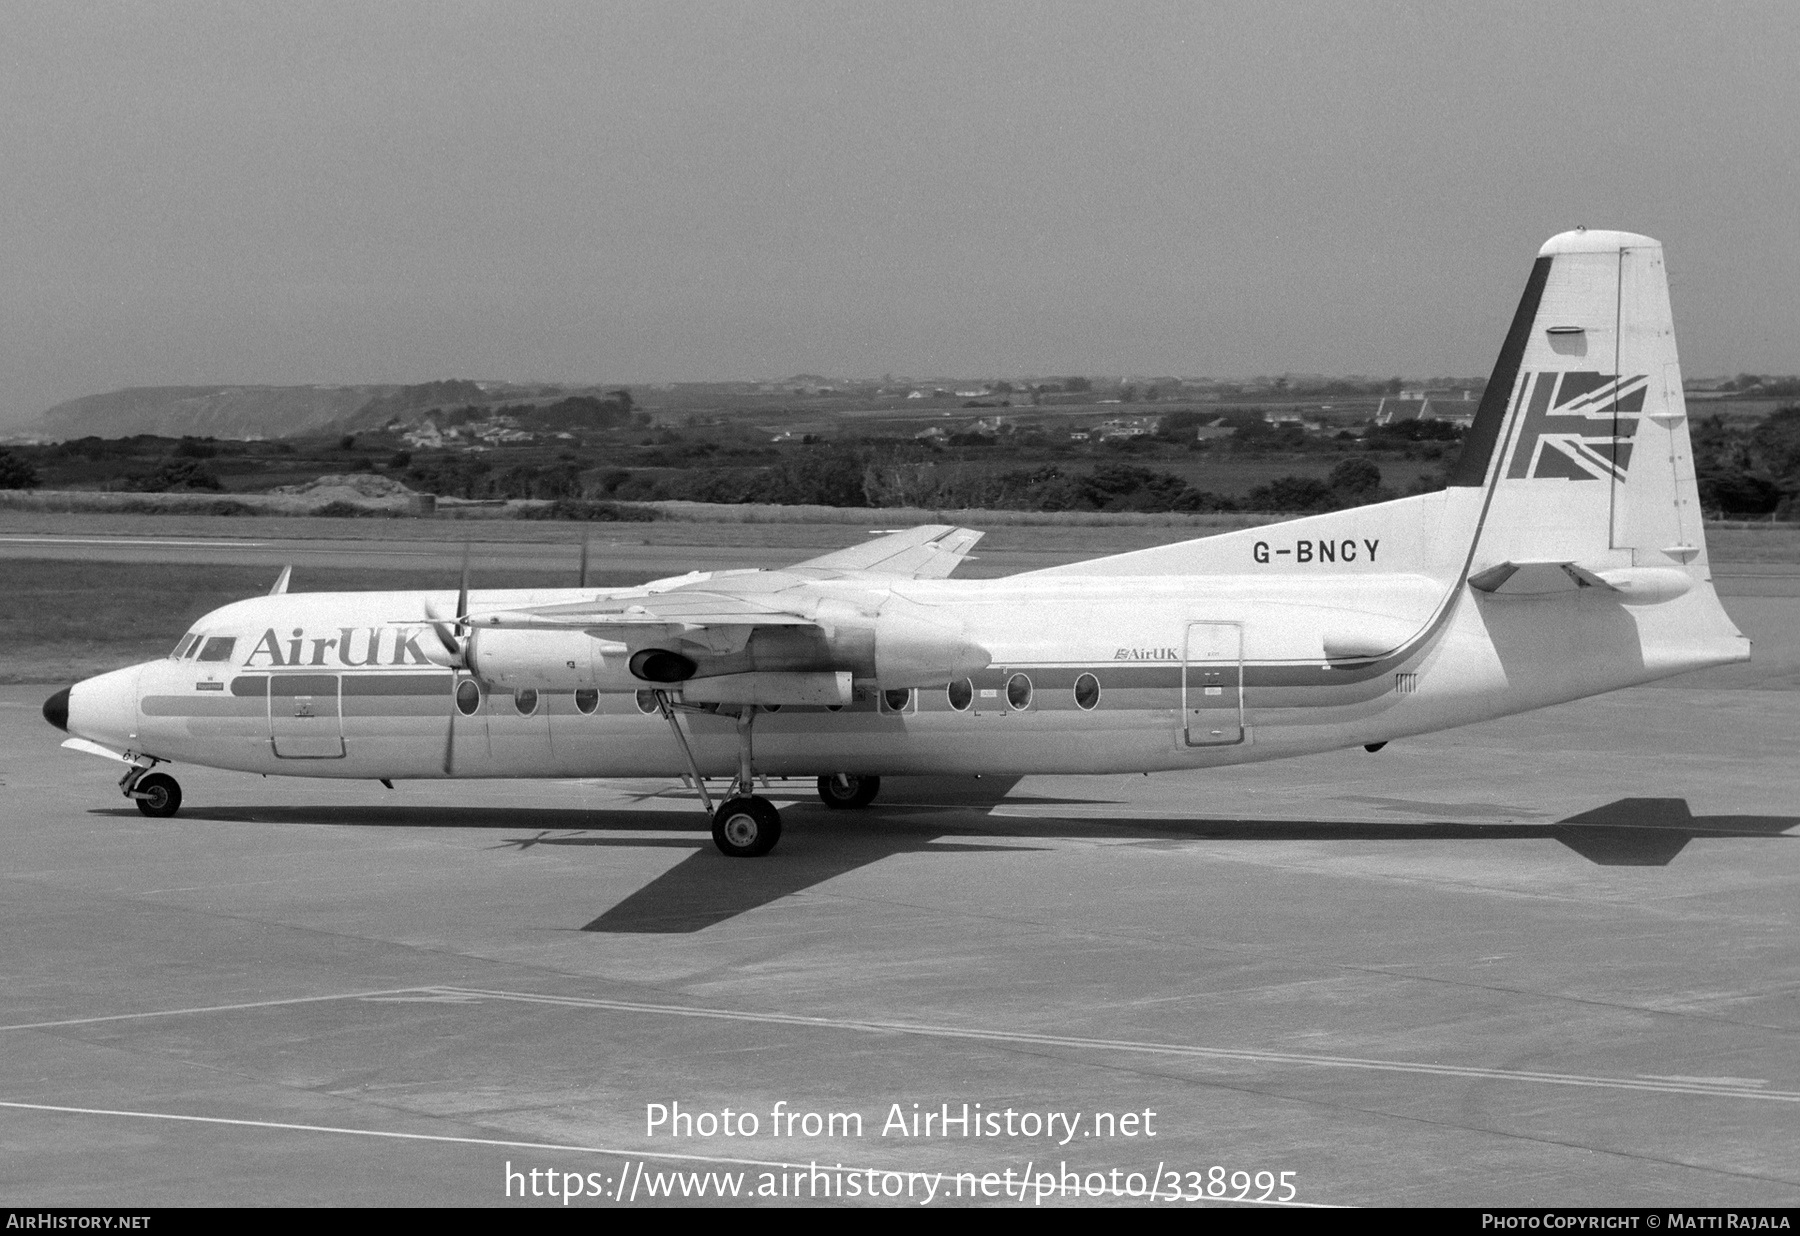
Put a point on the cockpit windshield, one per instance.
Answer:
(218, 648)
(182, 648)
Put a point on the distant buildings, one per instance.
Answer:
(1424, 406)
(1127, 427)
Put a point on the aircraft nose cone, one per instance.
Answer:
(56, 710)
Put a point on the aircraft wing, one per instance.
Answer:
(679, 608)
(740, 600)
(930, 551)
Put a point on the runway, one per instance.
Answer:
(1543, 961)
(639, 550)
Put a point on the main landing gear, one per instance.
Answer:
(846, 790)
(745, 825)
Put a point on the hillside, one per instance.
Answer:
(205, 411)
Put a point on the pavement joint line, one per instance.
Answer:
(221, 1008)
(95, 540)
(1245, 1055)
(506, 1144)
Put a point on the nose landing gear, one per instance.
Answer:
(157, 795)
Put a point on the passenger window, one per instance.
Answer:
(218, 648)
(526, 702)
(1087, 692)
(468, 697)
(897, 699)
(1018, 691)
(961, 694)
(586, 700)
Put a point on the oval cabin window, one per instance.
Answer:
(961, 694)
(1018, 691)
(1087, 692)
(468, 697)
(586, 700)
(526, 702)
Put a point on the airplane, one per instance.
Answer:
(1565, 558)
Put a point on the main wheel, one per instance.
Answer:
(161, 795)
(841, 790)
(746, 827)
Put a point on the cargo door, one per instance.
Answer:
(1212, 684)
(306, 720)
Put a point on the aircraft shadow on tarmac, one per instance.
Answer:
(951, 817)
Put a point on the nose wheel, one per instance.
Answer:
(157, 795)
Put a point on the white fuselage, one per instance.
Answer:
(1179, 672)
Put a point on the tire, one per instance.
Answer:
(843, 791)
(162, 796)
(746, 827)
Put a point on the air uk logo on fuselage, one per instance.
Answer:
(1578, 426)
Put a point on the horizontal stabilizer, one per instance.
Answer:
(1518, 579)
(1627, 585)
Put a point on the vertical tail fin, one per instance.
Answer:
(1582, 443)
(1582, 434)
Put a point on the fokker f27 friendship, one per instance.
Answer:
(1564, 559)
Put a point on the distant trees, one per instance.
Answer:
(1355, 477)
(16, 473)
(1353, 482)
(1749, 471)
(1417, 431)
(179, 475)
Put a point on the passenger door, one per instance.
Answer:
(305, 717)
(1212, 684)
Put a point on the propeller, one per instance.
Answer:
(454, 654)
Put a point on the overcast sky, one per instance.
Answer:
(387, 192)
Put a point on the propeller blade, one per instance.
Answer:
(453, 650)
(450, 732)
(462, 597)
(584, 562)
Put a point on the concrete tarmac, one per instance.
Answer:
(1544, 961)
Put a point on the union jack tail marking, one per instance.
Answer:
(1578, 425)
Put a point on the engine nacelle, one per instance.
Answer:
(549, 661)
(901, 645)
(914, 649)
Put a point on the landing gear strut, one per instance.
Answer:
(744, 825)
